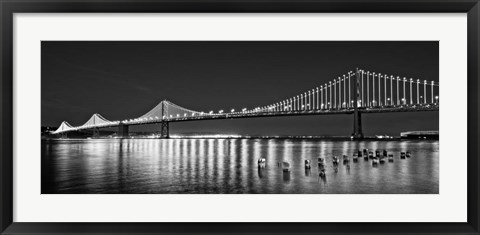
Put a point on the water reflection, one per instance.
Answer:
(286, 176)
(308, 172)
(229, 165)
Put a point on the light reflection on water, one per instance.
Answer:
(230, 166)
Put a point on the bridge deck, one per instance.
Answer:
(239, 115)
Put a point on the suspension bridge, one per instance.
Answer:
(356, 92)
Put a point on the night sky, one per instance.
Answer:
(123, 80)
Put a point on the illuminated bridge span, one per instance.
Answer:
(356, 92)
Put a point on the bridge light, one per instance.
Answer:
(233, 110)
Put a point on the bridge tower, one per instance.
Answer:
(123, 130)
(357, 115)
(164, 132)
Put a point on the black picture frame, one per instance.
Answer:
(9, 7)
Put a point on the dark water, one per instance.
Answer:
(230, 166)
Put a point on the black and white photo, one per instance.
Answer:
(240, 117)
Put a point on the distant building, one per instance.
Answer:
(48, 129)
(420, 135)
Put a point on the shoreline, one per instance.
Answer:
(263, 137)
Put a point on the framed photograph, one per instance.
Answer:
(239, 117)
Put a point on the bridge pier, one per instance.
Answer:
(96, 132)
(357, 116)
(357, 125)
(164, 132)
(122, 131)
